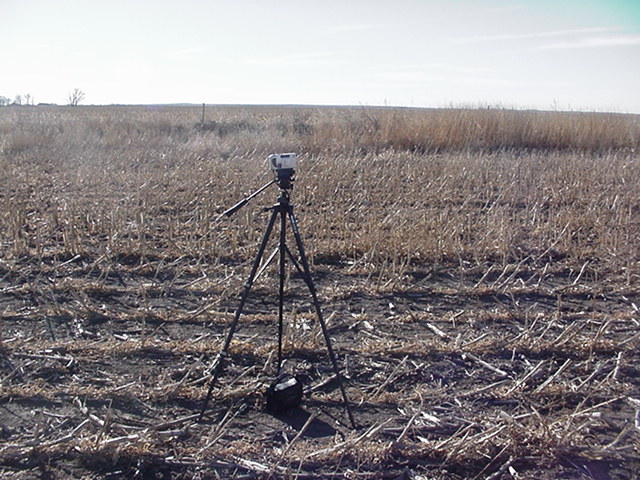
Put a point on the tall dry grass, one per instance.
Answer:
(475, 130)
(383, 189)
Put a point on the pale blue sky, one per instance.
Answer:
(546, 54)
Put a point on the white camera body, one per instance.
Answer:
(281, 161)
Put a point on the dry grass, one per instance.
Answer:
(381, 187)
(481, 268)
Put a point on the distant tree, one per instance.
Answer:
(4, 101)
(75, 97)
(26, 99)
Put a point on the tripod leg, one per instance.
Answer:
(309, 281)
(282, 248)
(217, 368)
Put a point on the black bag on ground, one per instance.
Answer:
(284, 393)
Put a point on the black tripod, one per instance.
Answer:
(284, 210)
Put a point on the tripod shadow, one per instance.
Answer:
(296, 419)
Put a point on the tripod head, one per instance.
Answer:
(284, 178)
(283, 166)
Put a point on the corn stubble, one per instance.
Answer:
(505, 244)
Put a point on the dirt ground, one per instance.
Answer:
(530, 371)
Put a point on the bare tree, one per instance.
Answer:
(75, 97)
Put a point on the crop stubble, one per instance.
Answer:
(478, 269)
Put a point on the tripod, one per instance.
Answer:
(284, 210)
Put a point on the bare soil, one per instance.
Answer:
(521, 371)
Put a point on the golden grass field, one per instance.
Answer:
(479, 271)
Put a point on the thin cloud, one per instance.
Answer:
(186, 52)
(430, 67)
(508, 8)
(293, 60)
(428, 73)
(297, 60)
(355, 28)
(594, 42)
(534, 35)
(409, 77)
(459, 78)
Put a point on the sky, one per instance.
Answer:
(542, 54)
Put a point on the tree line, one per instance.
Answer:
(75, 97)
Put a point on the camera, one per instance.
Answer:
(283, 166)
(279, 161)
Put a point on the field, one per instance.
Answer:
(479, 271)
